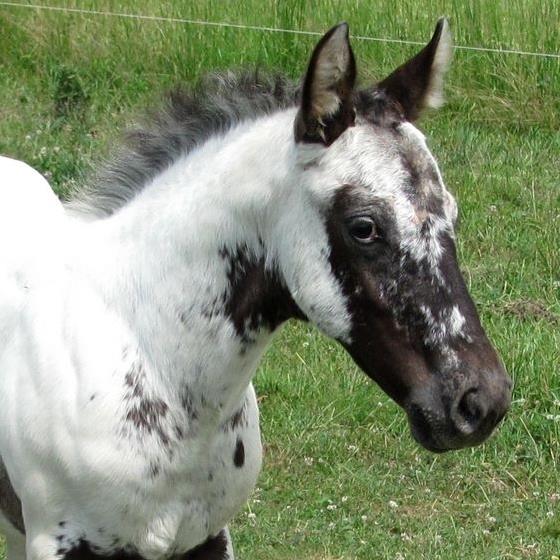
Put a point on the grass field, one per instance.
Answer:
(342, 477)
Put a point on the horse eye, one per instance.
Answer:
(362, 229)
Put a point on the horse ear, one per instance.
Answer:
(418, 84)
(327, 108)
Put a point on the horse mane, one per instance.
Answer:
(186, 119)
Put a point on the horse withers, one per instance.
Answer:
(134, 317)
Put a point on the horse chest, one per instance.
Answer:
(125, 462)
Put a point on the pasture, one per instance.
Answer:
(342, 477)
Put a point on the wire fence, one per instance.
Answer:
(261, 28)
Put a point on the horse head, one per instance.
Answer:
(386, 282)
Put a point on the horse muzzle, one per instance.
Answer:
(448, 415)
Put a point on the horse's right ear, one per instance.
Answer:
(327, 109)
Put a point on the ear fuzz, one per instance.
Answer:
(418, 84)
(327, 105)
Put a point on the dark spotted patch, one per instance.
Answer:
(154, 469)
(256, 297)
(238, 420)
(239, 454)
(214, 548)
(145, 413)
(187, 403)
(10, 504)
(178, 431)
(134, 380)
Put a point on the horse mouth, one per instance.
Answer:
(436, 435)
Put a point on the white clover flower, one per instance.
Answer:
(392, 504)
(406, 537)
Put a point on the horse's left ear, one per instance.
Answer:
(418, 84)
(327, 107)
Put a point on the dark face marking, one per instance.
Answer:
(452, 384)
(10, 504)
(239, 454)
(214, 548)
(256, 298)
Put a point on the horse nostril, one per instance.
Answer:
(469, 412)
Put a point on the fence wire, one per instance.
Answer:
(260, 28)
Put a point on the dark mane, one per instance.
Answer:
(187, 118)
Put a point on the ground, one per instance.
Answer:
(342, 477)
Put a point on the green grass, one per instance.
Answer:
(67, 82)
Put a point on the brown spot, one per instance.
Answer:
(239, 454)
(179, 433)
(237, 420)
(256, 298)
(154, 469)
(134, 380)
(147, 416)
(187, 404)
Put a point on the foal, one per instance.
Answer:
(133, 321)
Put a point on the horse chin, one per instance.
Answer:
(426, 439)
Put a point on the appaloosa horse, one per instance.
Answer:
(133, 319)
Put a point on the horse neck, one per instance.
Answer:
(194, 276)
